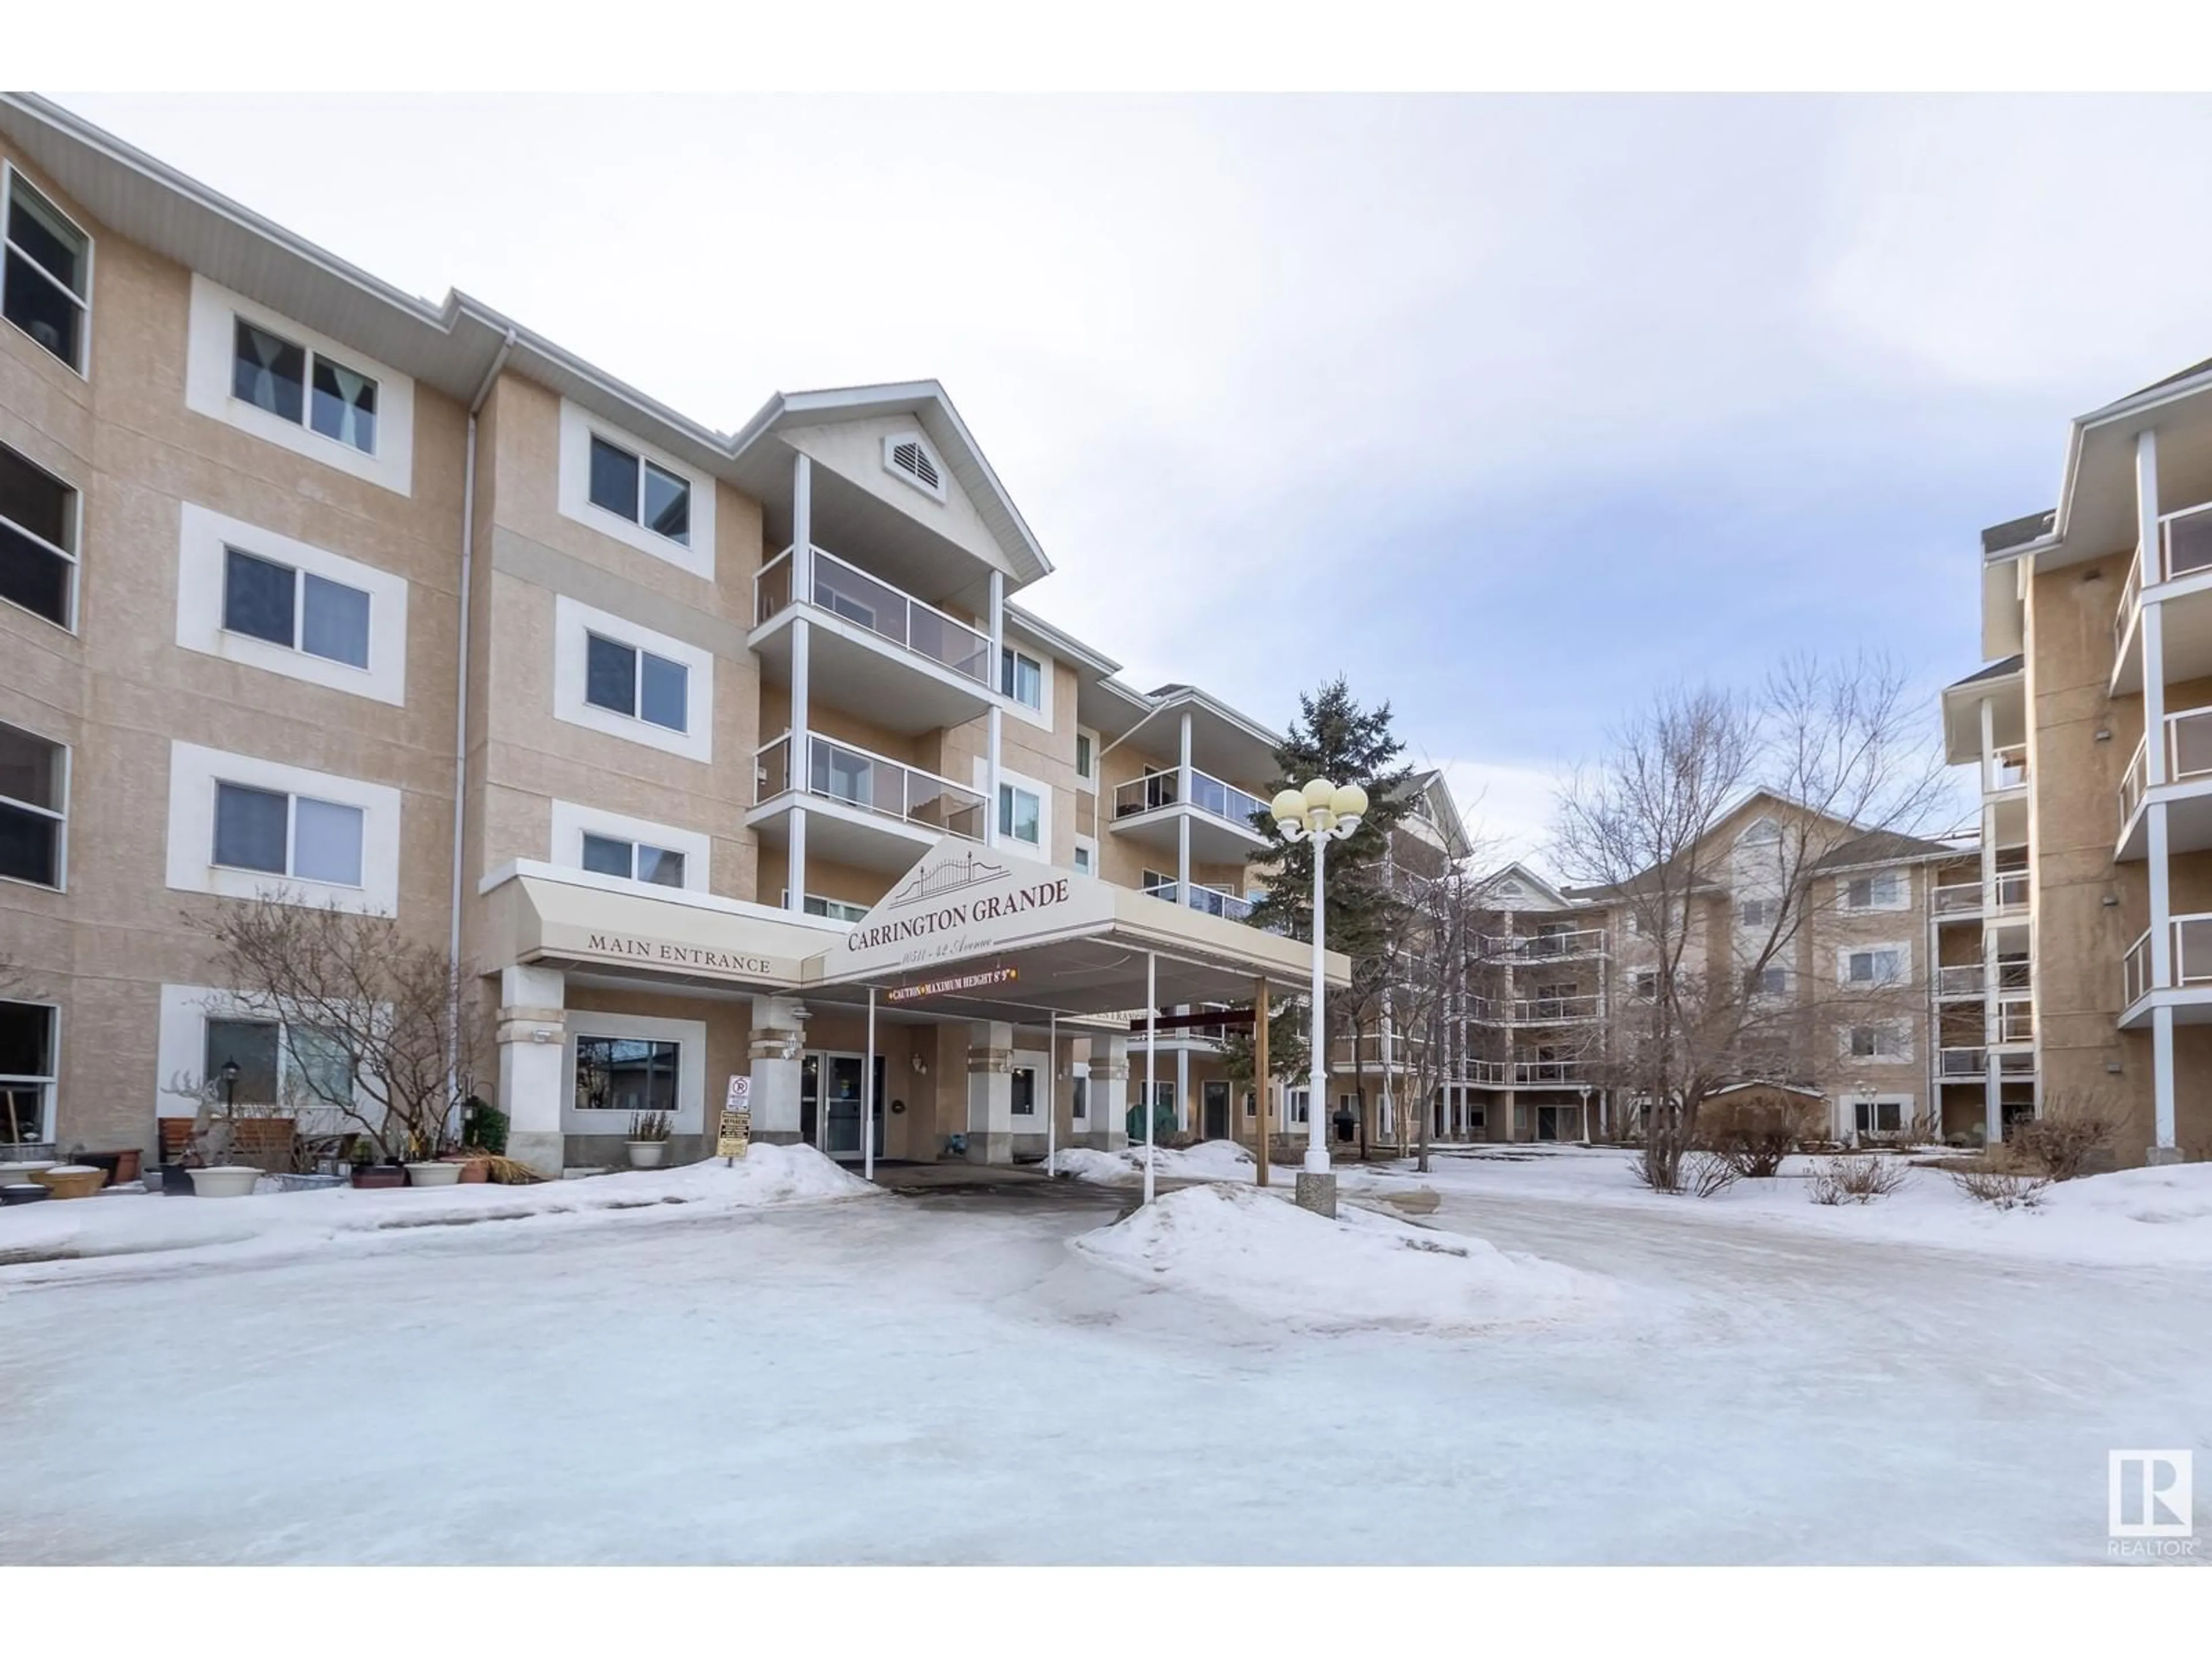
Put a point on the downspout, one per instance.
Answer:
(461, 728)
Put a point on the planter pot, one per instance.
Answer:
(434, 1174)
(473, 1170)
(175, 1179)
(379, 1175)
(307, 1184)
(25, 1169)
(121, 1167)
(225, 1181)
(23, 1191)
(73, 1180)
(646, 1154)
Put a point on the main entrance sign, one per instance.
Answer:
(962, 900)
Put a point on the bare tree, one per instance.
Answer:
(1842, 751)
(375, 1006)
(1445, 918)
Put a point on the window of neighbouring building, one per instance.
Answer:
(33, 809)
(39, 517)
(29, 1066)
(45, 279)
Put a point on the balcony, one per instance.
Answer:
(2011, 890)
(2188, 990)
(2014, 1022)
(2005, 770)
(862, 808)
(1557, 946)
(1149, 811)
(1958, 899)
(1534, 1011)
(2180, 577)
(1212, 901)
(2186, 793)
(875, 651)
(1963, 982)
(1526, 1074)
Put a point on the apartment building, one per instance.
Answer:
(2091, 727)
(707, 756)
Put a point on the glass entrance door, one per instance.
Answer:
(1216, 1108)
(840, 1077)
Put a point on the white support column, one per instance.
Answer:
(2154, 562)
(2162, 1148)
(1051, 1087)
(777, 1035)
(532, 1034)
(2155, 759)
(802, 768)
(990, 1093)
(1108, 1121)
(802, 529)
(868, 1103)
(1183, 793)
(1151, 1043)
(992, 726)
(1186, 1119)
(1389, 1054)
(2162, 899)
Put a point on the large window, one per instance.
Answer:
(1879, 1117)
(624, 680)
(297, 384)
(633, 489)
(33, 806)
(46, 281)
(1878, 967)
(1021, 677)
(278, 1065)
(1025, 1091)
(626, 1074)
(297, 609)
(1020, 814)
(1876, 1043)
(26, 1071)
(634, 861)
(38, 540)
(1884, 890)
(284, 834)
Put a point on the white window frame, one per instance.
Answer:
(1295, 1104)
(689, 1036)
(292, 800)
(573, 493)
(1899, 948)
(181, 1047)
(1029, 785)
(1752, 837)
(205, 536)
(636, 514)
(894, 441)
(1768, 910)
(1084, 735)
(194, 771)
(572, 621)
(1011, 659)
(1086, 849)
(67, 769)
(572, 821)
(77, 539)
(311, 358)
(49, 1083)
(1034, 1068)
(1010, 800)
(639, 657)
(1899, 892)
(215, 312)
(1897, 1034)
(10, 173)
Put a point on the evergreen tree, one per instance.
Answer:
(1334, 738)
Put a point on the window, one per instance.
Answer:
(1770, 982)
(278, 1065)
(1644, 982)
(1156, 881)
(625, 1074)
(1082, 860)
(301, 611)
(834, 910)
(1020, 814)
(1758, 912)
(1021, 678)
(1295, 1106)
(633, 860)
(628, 681)
(26, 1070)
(1509, 890)
(1025, 1091)
(1885, 966)
(632, 487)
(1876, 1043)
(1085, 757)
(1876, 1117)
(45, 281)
(38, 540)
(33, 806)
(284, 834)
(1884, 890)
(303, 386)
(1078, 1096)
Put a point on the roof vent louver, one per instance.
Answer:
(908, 456)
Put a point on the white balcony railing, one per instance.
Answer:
(2192, 958)
(2012, 887)
(839, 772)
(2184, 548)
(2007, 769)
(2014, 1022)
(1208, 794)
(1959, 898)
(1547, 1073)
(1963, 1062)
(882, 610)
(1213, 901)
(1966, 980)
(2134, 782)
(1532, 1011)
(1544, 947)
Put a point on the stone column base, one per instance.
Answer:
(1107, 1141)
(989, 1146)
(1317, 1193)
(2155, 1156)
(545, 1151)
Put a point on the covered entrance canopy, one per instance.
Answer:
(983, 933)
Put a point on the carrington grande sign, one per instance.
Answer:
(963, 901)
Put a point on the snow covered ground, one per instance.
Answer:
(948, 1379)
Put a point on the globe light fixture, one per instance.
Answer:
(1320, 812)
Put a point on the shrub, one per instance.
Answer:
(483, 1125)
(2004, 1189)
(1707, 1175)
(1858, 1180)
(649, 1126)
(2061, 1142)
(1754, 1137)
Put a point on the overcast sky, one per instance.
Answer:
(1509, 408)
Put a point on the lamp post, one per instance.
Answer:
(1320, 812)
(1584, 1089)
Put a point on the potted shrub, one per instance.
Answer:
(648, 1139)
(367, 1172)
(224, 1181)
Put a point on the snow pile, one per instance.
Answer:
(1267, 1257)
(2176, 1195)
(1210, 1160)
(285, 1223)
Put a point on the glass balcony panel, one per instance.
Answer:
(2189, 542)
(2192, 735)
